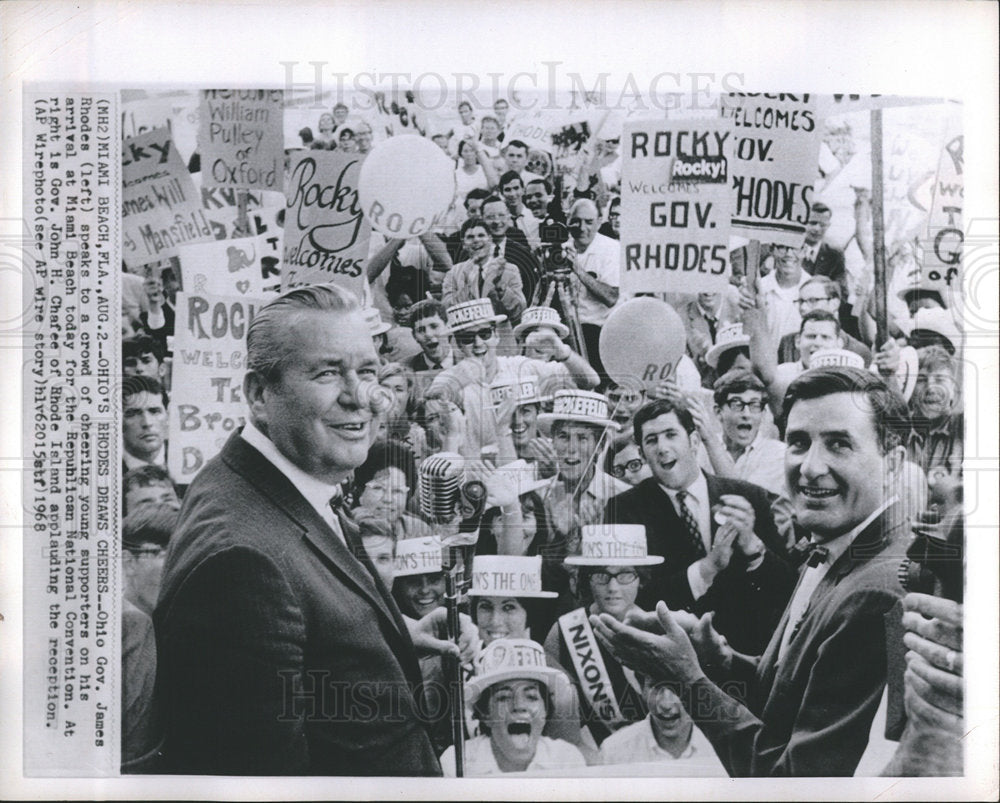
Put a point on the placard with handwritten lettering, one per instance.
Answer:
(161, 210)
(240, 138)
(326, 236)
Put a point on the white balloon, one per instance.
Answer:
(406, 185)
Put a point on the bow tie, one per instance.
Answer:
(817, 555)
(337, 501)
(809, 553)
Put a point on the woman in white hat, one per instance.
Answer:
(508, 602)
(511, 697)
(612, 564)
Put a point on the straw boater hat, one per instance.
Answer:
(375, 323)
(470, 314)
(524, 391)
(836, 358)
(729, 337)
(613, 545)
(417, 556)
(929, 323)
(508, 576)
(535, 317)
(509, 659)
(580, 406)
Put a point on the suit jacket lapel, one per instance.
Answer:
(259, 471)
(869, 543)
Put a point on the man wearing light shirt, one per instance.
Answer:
(812, 696)
(779, 293)
(512, 189)
(722, 552)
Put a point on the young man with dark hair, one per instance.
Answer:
(144, 422)
(512, 189)
(722, 552)
(143, 355)
(812, 695)
(149, 485)
(430, 330)
(515, 154)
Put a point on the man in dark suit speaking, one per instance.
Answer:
(280, 649)
(811, 697)
(722, 552)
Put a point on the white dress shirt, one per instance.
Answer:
(696, 500)
(316, 492)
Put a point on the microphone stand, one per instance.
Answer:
(456, 560)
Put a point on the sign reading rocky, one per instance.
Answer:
(676, 206)
(161, 209)
(326, 235)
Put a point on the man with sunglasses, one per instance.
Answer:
(473, 326)
(722, 551)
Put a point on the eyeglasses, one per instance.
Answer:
(632, 465)
(738, 405)
(624, 578)
(466, 337)
(809, 302)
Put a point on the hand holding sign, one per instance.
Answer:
(642, 342)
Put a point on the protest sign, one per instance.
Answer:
(941, 268)
(240, 138)
(676, 206)
(326, 235)
(160, 205)
(209, 364)
(247, 266)
(776, 139)
(221, 204)
(533, 129)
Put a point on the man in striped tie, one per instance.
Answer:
(721, 549)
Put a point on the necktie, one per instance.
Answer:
(711, 326)
(690, 524)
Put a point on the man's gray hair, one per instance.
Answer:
(580, 203)
(267, 342)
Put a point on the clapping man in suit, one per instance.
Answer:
(722, 552)
(280, 649)
(811, 697)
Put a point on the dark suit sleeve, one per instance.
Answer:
(830, 730)
(231, 657)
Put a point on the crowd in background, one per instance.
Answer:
(609, 498)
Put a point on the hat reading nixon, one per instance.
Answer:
(836, 358)
(508, 576)
(534, 317)
(729, 337)
(417, 556)
(509, 659)
(613, 545)
(580, 406)
(470, 314)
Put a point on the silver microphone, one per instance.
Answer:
(438, 486)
